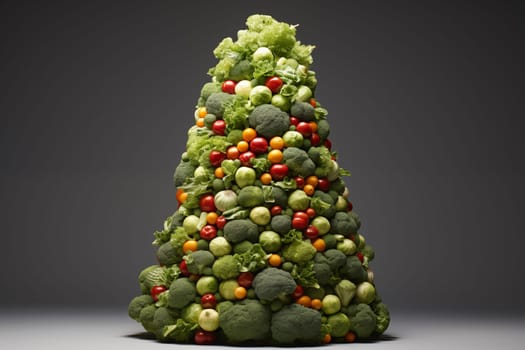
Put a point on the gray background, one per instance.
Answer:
(426, 108)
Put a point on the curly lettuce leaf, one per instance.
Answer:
(253, 259)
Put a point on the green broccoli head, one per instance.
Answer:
(247, 320)
(322, 158)
(239, 230)
(146, 317)
(217, 102)
(198, 261)
(137, 304)
(167, 254)
(163, 317)
(272, 283)
(181, 292)
(303, 111)
(334, 258)
(296, 324)
(226, 267)
(344, 223)
(322, 273)
(241, 70)
(208, 89)
(323, 129)
(281, 224)
(298, 162)
(269, 121)
(327, 210)
(362, 320)
(184, 171)
(353, 270)
(382, 316)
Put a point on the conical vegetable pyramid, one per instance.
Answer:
(264, 247)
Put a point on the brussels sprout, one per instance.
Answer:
(365, 293)
(190, 224)
(260, 95)
(293, 139)
(347, 246)
(270, 241)
(219, 246)
(339, 324)
(245, 176)
(331, 304)
(260, 215)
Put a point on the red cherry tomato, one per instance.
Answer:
(299, 181)
(298, 292)
(311, 232)
(328, 144)
(315, 139)
(208, 232)
(204, 338)
(221, 222)
(259, 145)
(350, 206)
(216, 158)
(232, 152)
(276, 210)
(274, 84)
(228, 86)
(299, 222)
(323, 184)
(310, 212)
(207, 203)
(294, 121)
(155, 291)
(245, 158)
(184, 268)
(245, 279)
(304, 128)
(219, 127)
(360, 256)
(208, 301)
(279, 171)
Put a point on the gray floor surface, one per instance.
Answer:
(81, 329)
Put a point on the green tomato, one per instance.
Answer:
(243, 88)
(260, 94)
(227, 289)
(299, 200)
(270, 241)
(191, 313)
(281, 102)
(190, 224)
(347, 246)
(293, 138)
(260, 215)
(209, 320)
(262, 53)
(365, 293)
(245, 176)
(331, 304)
(219, 246)
(206, 284)
(322, 224)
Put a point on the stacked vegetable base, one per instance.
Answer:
(265, 246)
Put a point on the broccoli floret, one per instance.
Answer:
(298, 162)
(280, 197)
(322, 273)
(217, 102)
(303, 111)
(226, 267)
(327, 210)
(323, 129)
(182, 292)
(322, 157)
(281, 224)
(146, 317)
(362, 320)
(382, 316)
(208, 89)
(198, 261)
(272, 283)
(167, 254)
(163, 317)
(269, 121)
(368, 252)
(242, 70)
(353, 270)
(137, 304)
(299, 252)
(335, 258)
(296, 324)
(344, 224)
(239, 230)
(247, 320)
